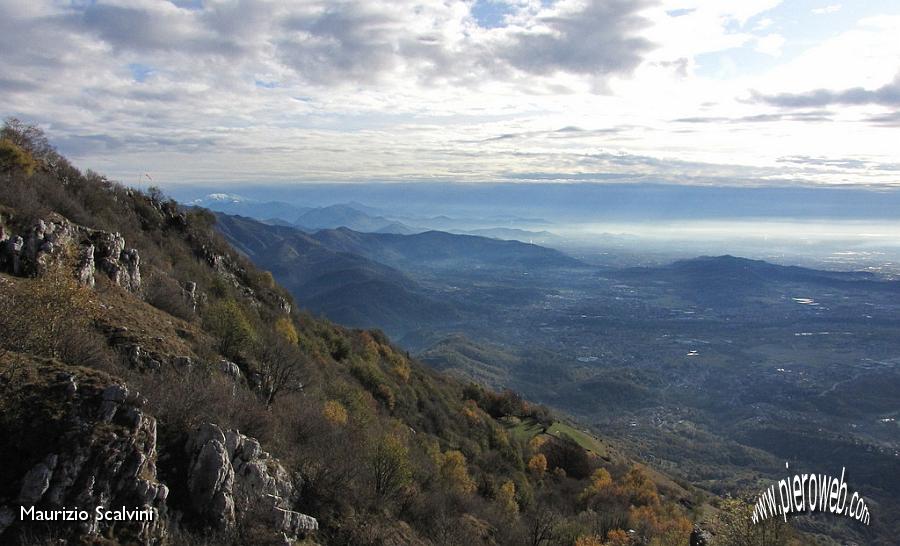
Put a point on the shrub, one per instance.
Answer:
(588, 540)
(14, 158)
(335, 412)
(227, 321)
(164, 293)
(49, 316)
(285, 327)
(537, 465)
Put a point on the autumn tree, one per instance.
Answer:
(228, 322)
(601, 485)
(588, 540)
(639, 488)
(617, 537)
(389, 465)
(660, 526)
(506, 499)
(537, 465)
(736, 527)
(13, 158)
(454, 472)
(31, 139)
(47, 315)
(285, 327)
(335, 413)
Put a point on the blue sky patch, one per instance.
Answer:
(680, 12)
(140, 72)
(490, 13)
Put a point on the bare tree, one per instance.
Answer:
(540, 529)
(29, 137)
(280, 366)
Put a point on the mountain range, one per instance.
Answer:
(362, 279)
(358, 217)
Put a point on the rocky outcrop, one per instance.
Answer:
(48, 241)
(121, 264)
(700, 537)
(230, 477)
(11, 255)
(233, 273)
(97, 447)
(105, 457)
(230, 369)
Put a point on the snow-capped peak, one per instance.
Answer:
(222, 198)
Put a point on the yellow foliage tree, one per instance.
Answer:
(370, 352)
(536, 443)
(471, 413)
(46, 315)
(617, 537)
(390, 465)
(601, 484)
(736, 526)
(639, 488)
(455, 473)
(537, 465)
(399, 365)
(285, 327)
(660, 527)
(335, 413)
(14, 158)
(506, 498)
(228, 322)
(588, 540)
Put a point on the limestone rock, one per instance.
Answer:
(37, 481)
(700, 537)
(107, 458)
(47, 241)
(230, 474)
(210, 482)
(11, 255)
(230, 369)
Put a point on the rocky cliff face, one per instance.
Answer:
(100, 450)
(231, 477)
(104, 457)
(48, 241)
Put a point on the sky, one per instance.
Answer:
(703, 92)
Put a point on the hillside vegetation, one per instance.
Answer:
(134, 342)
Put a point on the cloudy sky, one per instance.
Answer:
(690, 91)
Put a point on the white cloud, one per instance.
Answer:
(411, 89)
(833, 8)
(770, 44)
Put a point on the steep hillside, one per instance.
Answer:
(345, 287)
(145, 363)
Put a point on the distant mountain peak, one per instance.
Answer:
(222, 197)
